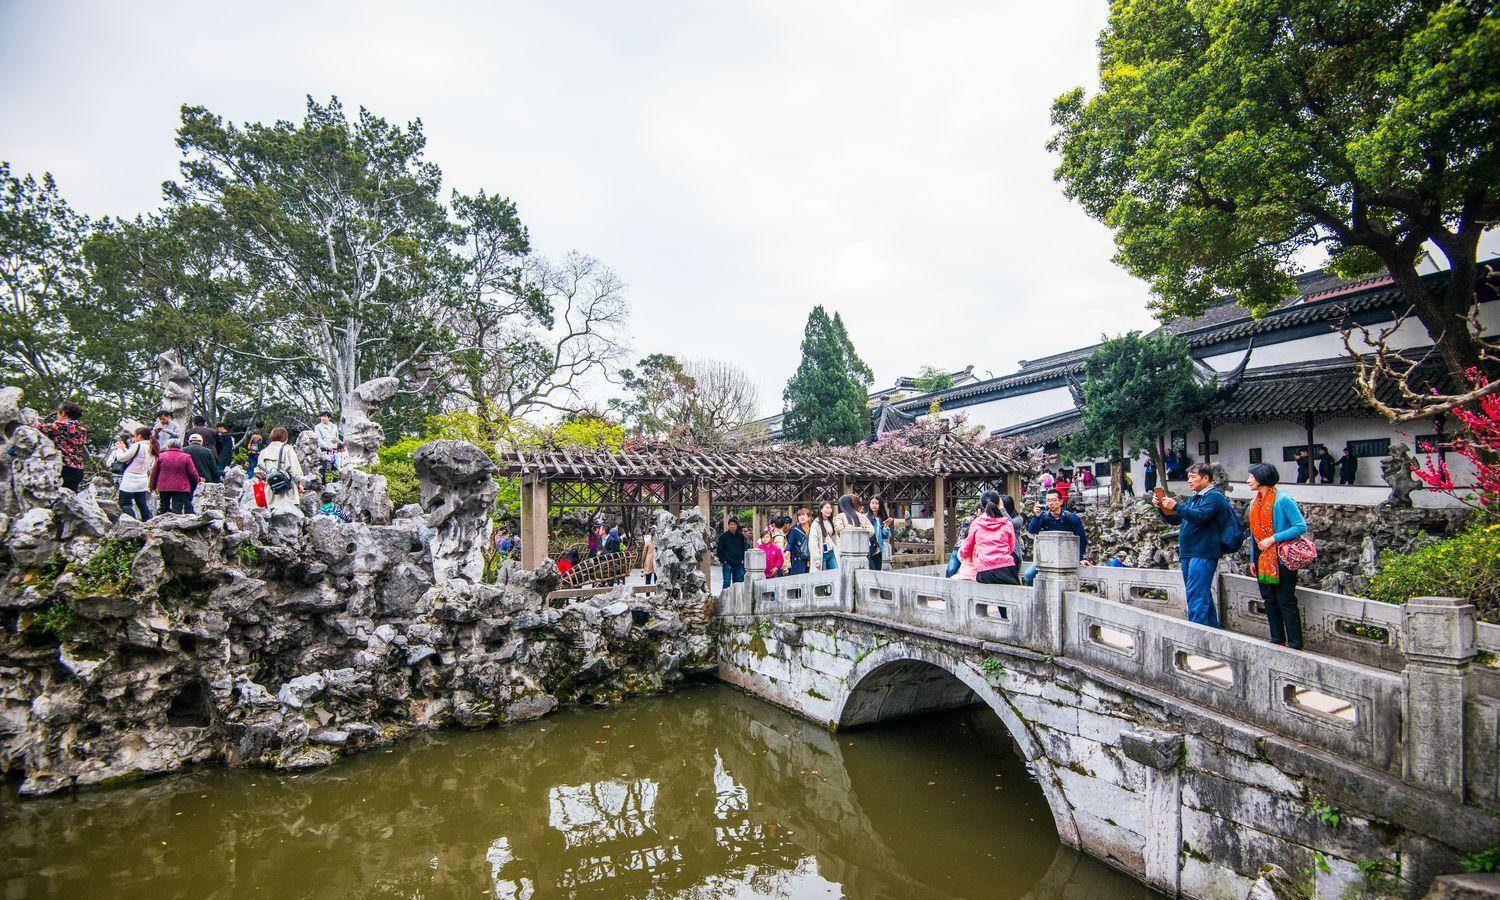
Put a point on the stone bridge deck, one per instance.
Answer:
(1188, 756)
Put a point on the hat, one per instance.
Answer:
(195, 439)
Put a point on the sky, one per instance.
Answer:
(735, 162)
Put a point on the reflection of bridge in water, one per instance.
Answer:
(720, 789)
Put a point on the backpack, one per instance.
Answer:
(1232, 535)
(280, 481)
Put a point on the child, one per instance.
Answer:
(331, 509)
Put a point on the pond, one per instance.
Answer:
(702, 793)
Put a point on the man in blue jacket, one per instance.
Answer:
(1204, 519)
(1053, 517)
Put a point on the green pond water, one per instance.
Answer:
(702, 793)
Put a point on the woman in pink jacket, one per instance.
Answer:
(174, 477)
(991, 544)
(774, 557)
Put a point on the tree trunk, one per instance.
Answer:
(1117, 472)
(1445, 317)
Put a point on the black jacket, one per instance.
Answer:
(732, 547)
(205, 462)
(210, 437)
(1348, 467)
(796, 544)
(1325, 467)
(226, 452)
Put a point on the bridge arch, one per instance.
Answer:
(902, 677)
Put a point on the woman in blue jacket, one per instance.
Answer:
(1275, 519)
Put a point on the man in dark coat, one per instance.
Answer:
(204, 459)
(226, 447)
(731, 552)
(1304, 467)
(201, 428)
(1348, 466)
(1325, 465)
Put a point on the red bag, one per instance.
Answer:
(1297, 553)
(258, 488)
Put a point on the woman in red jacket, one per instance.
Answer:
(174, 477)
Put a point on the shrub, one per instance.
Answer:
(395, 463)
(1466, 565)
(56, 620)
(108, 570)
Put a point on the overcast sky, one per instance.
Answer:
(735, 162)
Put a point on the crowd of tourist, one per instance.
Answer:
(158, 467)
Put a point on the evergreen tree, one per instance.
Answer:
(825, 399)
(1135, 390)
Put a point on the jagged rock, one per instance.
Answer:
(176, 390)
(681, 544)
(457, 488)
(363, 436)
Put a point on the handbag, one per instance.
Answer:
(258, 491)
(280, 481)
(1297, 553)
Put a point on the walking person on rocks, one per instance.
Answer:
(204, 459)
(165, 428)
(69, 435)
(1052, 517)
(1209, 530)
(254, 443)
(138, 458)
(799, 557)
(327, 433)
(200, 427)
(991, 544)
(880, 535)
(280, 457)
(1273, 520)
(731, 553)
(823, 539)
(225, 454)
(648, 558)
(174, 477)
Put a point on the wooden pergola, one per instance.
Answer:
(667, 476)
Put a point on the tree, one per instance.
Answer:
(1135, 390)
(1227, 138)
(339, 224)
(699, 401)
(44, 284)
(825, 399)
(931, 379)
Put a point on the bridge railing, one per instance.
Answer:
(1404, 708)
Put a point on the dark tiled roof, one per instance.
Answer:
(1041, 432)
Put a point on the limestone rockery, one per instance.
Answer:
(129, 649)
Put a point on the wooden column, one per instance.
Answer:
(534, 510)
(755, 523)
(939, 513)
(1312, 459)
(704, 504)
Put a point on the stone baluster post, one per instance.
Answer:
(853, 556)
(755, 575)
(1057, 573)
(1437, 635)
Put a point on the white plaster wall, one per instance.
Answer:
(1327, 346)
(1009, 411)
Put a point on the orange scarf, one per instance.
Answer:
(1262, 526)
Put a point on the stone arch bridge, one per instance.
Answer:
(1187, 756)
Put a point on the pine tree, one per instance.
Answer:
(825, 399)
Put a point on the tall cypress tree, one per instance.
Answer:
(825, 399)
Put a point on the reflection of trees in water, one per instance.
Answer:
(717, 791)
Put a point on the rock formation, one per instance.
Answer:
(681, 543)
(1396, 470)
(363, 436)
(30, 466)
(176, 390)
(456, 485)
(131, 648)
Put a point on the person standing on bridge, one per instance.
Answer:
(991, 544)
(823, 539)
(1209, 530)
(1275, 519)
(797, 551)
(648, 558)
(1052, 517)
(731, 553)
(880, 537)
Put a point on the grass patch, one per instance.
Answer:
(108, 570)
(56, 620)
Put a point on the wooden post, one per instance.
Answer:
(1312, 460)
(704, 503)
(755, 524)
(534, 511)
(939, 512)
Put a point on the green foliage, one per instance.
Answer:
(109, 569)
(52, 569)
(762, 628)
(248, 553)
(43, 288)
(1464, 565)
(1325, 812)
(993, 668)
(1228, 138)
(1483, 861)
(1136, 389)
(702, 402)
(825, 400)
(56, 620)
(931, 378)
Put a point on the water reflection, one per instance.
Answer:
(706, 793)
